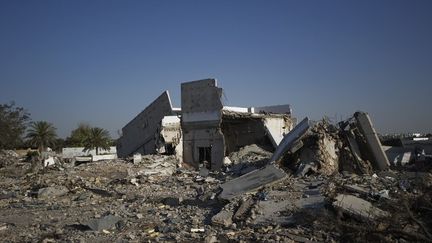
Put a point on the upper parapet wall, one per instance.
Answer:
(201, 101)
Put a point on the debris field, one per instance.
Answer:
(323, 183)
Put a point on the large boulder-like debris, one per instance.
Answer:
(102, 223)
(223, 218)
(51, 192)
(251, 181)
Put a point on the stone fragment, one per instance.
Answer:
(50, 192)
(204, 172)
(102, 223)
(358, 207)
(223, 218)
(242, 211)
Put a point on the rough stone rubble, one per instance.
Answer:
(327, 189)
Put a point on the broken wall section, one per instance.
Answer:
(201, 120)
(265, 130)
(140, 135)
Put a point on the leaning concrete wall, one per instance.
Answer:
(139, 135)
(201, 119)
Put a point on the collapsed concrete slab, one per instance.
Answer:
(290, 139)
(373, 143)
(358, 207)
(268, 174)
(251, 181)
(364, 144)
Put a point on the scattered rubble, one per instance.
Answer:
(8, 157)
(320, 184)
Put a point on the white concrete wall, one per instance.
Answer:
(71, 152)
(276, 129)
(104, 157)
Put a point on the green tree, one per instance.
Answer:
(13, 123)
(59, 144)
(41, 135)
(79, 135)
(97, 138)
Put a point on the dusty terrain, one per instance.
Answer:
(156, 200)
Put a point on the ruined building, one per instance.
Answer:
(203, 131)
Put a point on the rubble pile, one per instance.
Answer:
(249, 153)
(314, 187)
(160, 165)
(318, 152)
(8, 157)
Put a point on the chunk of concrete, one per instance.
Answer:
(251, 181)
(137, 158)
(204, 172)
(49, 161)
(50, 192)
(242, 211)
(357, 189)
(223, 218)
(102, 223)
(358, 207)
(290, 139)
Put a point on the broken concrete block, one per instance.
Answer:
(242, 211)
(374, 145)
(49, 161)
(357, 189)
(197, 230)
(50, 192)
(102, 223)
(137, 158)
(204, 172)
(251, 181)
(227, 161)
(358, 207)
(223, 218)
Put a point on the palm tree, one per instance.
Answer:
(97, 138)
(79, 135)
(41, 134)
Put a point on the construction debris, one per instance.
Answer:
(324, 183)
(7, 157)
(358, 207)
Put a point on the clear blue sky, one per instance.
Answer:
(102, 62)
